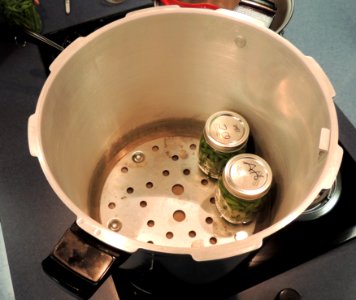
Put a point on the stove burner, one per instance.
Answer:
(324, 203)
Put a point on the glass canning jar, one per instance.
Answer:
(243, 188)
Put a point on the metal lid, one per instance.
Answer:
(261, 11)
(226, 131)
(247, 176)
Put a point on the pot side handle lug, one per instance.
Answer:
(80, 263)
(333, 171)
(31, 135)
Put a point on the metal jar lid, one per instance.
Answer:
(226, 131)
(247, 176)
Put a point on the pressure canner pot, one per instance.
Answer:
(116, 131)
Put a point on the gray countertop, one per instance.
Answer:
(326, 30)
(29, 210)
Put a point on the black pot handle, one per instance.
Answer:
(80, 263)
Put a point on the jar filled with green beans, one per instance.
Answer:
(225, 135)
(243, 188)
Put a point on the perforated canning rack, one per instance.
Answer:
(156, 193)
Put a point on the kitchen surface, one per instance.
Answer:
(33, 219)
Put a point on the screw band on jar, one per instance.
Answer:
(243, 187)
(225, 134)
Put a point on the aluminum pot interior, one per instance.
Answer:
(185, 64)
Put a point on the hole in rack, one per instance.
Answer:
(212, 200)
(192, 234)
(213, 240)
(150, 242)
(169, 235)
(111, 205)
(209, 220)
(186, 171)
(149, 185)
(175, 157)
(204, 181)
(177, 189)
(143, 203)
(124, 169)
(129, 190)
(150, 223)
(193, 146)
(179, 215)
(165, 173)
(155, 148)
